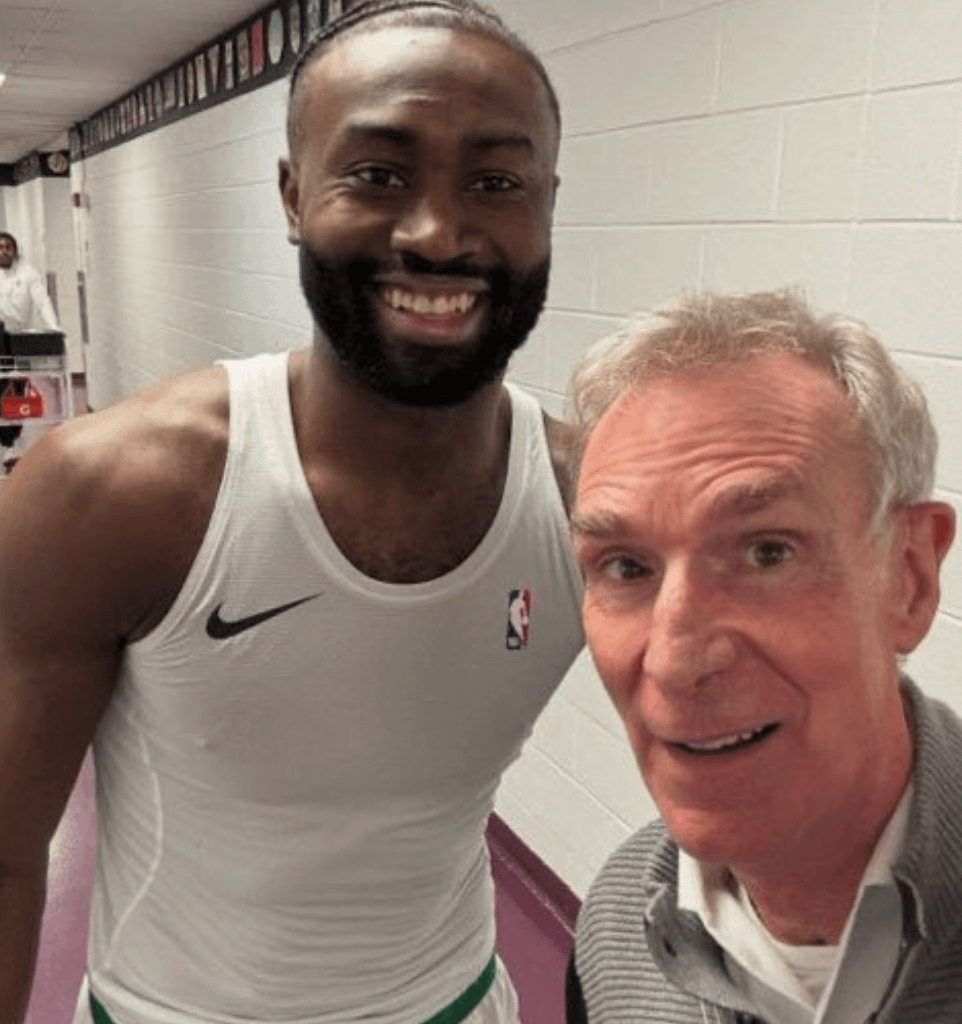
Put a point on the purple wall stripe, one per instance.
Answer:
(536, 914)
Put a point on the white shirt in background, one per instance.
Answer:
(24, 302)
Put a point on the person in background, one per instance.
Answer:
(24, 302)
(24, 305)
(754, 521)
(281, 594)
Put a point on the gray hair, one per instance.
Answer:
(889, 414)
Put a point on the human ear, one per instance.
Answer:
(924, 534)
(290, 197)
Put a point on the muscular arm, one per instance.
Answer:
(97, 526)
(57, 663)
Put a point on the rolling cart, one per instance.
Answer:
(35, 389)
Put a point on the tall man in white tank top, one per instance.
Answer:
(307, 606)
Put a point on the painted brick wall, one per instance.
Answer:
(188, 258)
(61, 260)
(733, 145)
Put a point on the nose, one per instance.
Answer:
(689, 640)
(435, 225)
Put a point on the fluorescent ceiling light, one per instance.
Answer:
(3, 78)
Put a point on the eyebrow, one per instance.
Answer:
(591, 525)
(740, 500)
(749, 499)
(501, 140)
(391, 134)
(404, 138)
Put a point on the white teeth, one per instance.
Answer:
(709, 746)
(428, 305)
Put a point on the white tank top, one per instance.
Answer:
(292, 806)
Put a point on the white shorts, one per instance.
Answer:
(499, 1006)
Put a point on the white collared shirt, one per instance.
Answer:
(807, 984)
(24, 302)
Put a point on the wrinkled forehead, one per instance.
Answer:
(774, 411)
(764, 388)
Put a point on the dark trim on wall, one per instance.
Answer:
(550, 895)
(252, 54)
(54, 164)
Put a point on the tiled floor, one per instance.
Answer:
(534, 938)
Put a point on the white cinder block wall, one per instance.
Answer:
(61, 261)
(732, 145)
(188, 259)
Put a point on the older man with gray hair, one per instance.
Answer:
(754, 521)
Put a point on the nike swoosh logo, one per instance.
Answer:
(218, 629)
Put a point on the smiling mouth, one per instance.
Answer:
(443, 304)
(727, 744)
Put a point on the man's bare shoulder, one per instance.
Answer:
(560, 436)
(155, 446)
(163, 435)
(114, 504)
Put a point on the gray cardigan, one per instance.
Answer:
(639, 960)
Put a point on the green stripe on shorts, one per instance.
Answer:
(453, 1013)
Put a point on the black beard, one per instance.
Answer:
(341, 296)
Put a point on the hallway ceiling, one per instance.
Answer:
(66, 59)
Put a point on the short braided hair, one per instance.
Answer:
(463, 15)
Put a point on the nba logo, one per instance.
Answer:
(519, 618)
